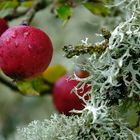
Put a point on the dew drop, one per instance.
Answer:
(7, 40)
(16, 44)
(14, 35)
(29, 46)
(26, 34)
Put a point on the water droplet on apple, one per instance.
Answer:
(14, 35)
(26, 34)
(7, 40)
(29, 46)
(16, 44)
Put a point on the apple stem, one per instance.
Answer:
(8, 84)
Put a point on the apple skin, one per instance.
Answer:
(64, 100)
(25, 52)
(3, 26)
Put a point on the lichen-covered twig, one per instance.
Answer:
(98, 48)
(84, 49)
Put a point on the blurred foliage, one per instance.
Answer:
(15, 3)
(27, 3)
(64, 12)
(65, 8)
(8, 4)
(43, 84)
(33, 87)
(56, 70)
(61, 8)
(97, 8)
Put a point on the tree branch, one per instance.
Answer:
(8, 84)
(16, 14)
(38, 5)
(29, 13)
(87, 48)
(84, 49)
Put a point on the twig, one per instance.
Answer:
(38, 5)
(85, 49)
(29, 13)
(88, 48)
(8, 84)
(16, 14)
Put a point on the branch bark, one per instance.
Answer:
(38, 5)
(8, 84)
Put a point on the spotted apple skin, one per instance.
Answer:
(25, 52)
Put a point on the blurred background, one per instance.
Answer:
(18, 110)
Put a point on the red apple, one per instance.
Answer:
(63, 99)
(25, 51)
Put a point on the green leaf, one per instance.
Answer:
(57, 71)
(97, 8)
(64, 12)
(32, 87)
(8, 4)
(40, 85)
(27, 4)
(26, 88)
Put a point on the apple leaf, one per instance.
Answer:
(33, 87)
(26, 88)
(13, 4)
(8, 4)
(97, 8)
(27, 4)
(64, 12)
(53, 73)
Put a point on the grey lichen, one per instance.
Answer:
(95, 123)
(59, 127)
(115, 81)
